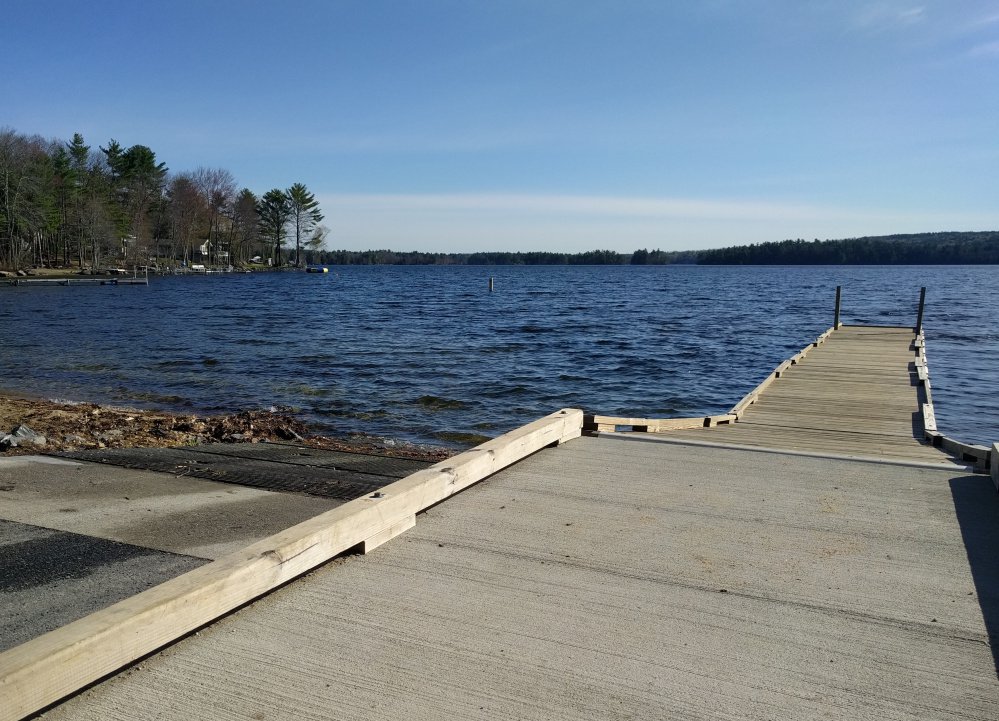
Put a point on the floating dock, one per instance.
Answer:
(731, 566)
(119, 277)
(855, 392)
(75, 281)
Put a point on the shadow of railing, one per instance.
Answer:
(977, 507)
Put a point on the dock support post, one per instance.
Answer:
(836, 318)
(994, 465)
(490, 284)
(919, 314)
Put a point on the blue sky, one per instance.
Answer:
(476, 125)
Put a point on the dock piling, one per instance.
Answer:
(919, 314)
(836, 318)
(994, 469)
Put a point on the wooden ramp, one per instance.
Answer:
(857, 391)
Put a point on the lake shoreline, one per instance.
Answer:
(31, 424)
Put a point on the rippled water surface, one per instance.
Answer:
(428, 354)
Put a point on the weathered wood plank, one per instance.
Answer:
(609, 424)
(968, 452)
(654, 425)
(929, 419)
(370, 544)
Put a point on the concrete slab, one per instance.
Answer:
(611, 579)
(170, 513)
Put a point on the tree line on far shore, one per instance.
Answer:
(947, 248)
(68, 204)
(590, 257)
(960, 248)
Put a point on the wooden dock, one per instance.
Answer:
(76, 281)
(856, 391)
(118, 277)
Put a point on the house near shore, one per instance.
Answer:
(213, 253)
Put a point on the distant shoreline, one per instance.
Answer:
(943, 248)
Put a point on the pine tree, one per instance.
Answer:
(274, 213)
(303, 213)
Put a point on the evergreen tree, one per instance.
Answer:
(136, 186)
(304, 215)
(274, 213)
(245, 225)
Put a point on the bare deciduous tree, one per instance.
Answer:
(218, 191)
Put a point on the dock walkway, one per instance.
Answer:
(856, 393)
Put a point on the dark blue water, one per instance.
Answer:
(428, 354)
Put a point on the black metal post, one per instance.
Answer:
(919, 315)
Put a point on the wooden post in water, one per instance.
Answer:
(490, 284)
(919, 314)
(836, 318)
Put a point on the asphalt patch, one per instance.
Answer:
(50, 578)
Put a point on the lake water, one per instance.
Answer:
(427, 354)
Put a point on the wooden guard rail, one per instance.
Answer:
(48, 668)
(983, 457)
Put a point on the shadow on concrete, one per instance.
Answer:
(50, 578)
(977, 506)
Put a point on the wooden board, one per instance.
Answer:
(929, 419)
(608, 423)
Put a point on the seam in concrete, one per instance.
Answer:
(789, 452)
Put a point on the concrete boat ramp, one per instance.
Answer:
(612, 575)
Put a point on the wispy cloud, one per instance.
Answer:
(985, 50)
(884, 15)
(986, 20)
